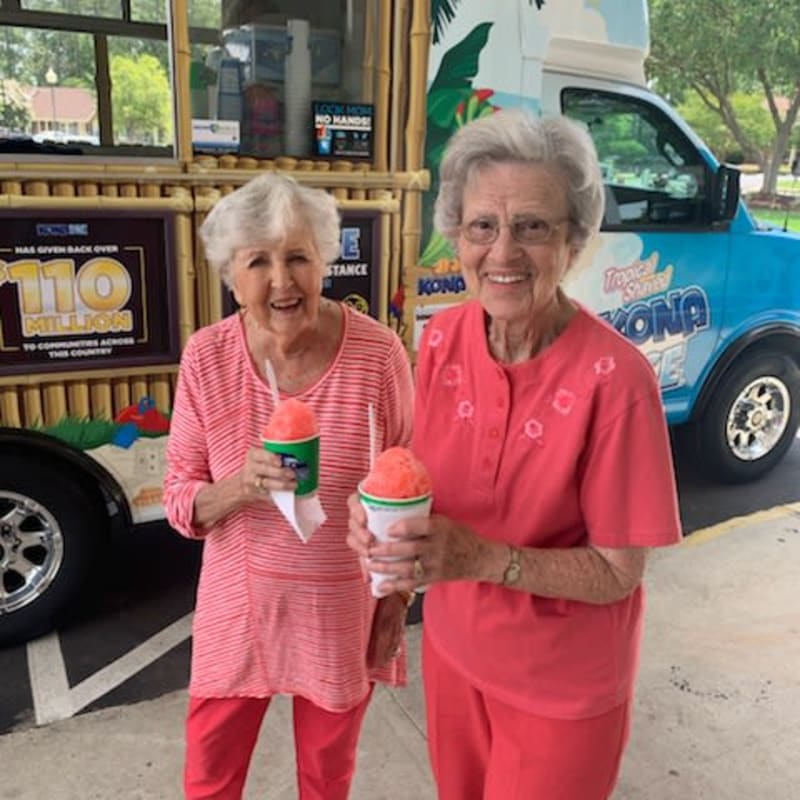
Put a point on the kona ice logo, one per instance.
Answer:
(662, 327)
(441, 277)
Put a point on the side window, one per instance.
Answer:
(270, 61)
(654, 176)
(86, 77)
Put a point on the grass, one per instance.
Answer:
(777, 217)
(788, 185)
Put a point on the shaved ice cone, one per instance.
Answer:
(293, 433)
(397, 487)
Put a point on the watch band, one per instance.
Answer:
(513, 568)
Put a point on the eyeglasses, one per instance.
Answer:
(525, 230)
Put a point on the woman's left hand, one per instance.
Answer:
(432, 549)
(388, 625)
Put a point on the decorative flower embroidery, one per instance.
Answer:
(435, 338)
(605, 365)
(465, 410)
(563, 401)
(534, 430)
(451, 375)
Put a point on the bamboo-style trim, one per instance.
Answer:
(399, 83)
(139, 387)
(395, 262)
(182, 57)
(121, 392)
(107, 170)
(185, 277)
(78, 399)
(205, 203)
(383, 75)
(160, 392)
(55, 403)
(100, 398)
(368, 57)
(130, 202)
(385, 265)
(321, 174)
(9, 408)
(342, 174)
(42, 379)
(411, 235)
(419, 46)
(32, 413)
(62, 189)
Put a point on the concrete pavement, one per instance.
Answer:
(717, 714)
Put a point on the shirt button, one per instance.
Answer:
(487, 463)
(494, 433)
(500, 402)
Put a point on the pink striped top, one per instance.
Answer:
(274, 615)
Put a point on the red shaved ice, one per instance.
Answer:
(397, 474)
(292, 419)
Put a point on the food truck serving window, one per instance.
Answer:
(252, 91)
(85, 77)
(95, 77)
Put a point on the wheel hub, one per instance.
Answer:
(758, 417)
(31, 550)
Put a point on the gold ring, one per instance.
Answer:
(260, 482)
(419, 573)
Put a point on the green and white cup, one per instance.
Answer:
(302, 457)
(382, 513)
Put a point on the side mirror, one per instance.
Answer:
(725, 194)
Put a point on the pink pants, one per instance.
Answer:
(482, 749)
(222, 732)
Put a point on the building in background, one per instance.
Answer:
(63, 113)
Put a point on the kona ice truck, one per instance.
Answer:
(681, 268)
(102, 281)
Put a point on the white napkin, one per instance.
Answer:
(305, 514)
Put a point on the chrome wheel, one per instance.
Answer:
(31, 550)
(758, 418)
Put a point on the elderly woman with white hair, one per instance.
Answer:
(545, 437)
(274, 614)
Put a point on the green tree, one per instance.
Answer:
(754, 119)
(720, 47)
(14, 115)
(140, 99)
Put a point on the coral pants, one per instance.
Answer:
(482, 749)
(222, 732)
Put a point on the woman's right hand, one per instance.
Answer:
(262, 473)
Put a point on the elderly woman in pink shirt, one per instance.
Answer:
(544, 434)
(275, 614)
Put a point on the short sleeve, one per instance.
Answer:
(628, 494)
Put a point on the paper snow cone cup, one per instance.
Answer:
(302, 456)
(382, 513)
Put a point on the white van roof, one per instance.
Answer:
(595, 59)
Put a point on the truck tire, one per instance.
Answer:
(51, 528)
(752, 418)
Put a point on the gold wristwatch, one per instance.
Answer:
(513, 570)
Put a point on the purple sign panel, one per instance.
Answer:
(85, 291)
